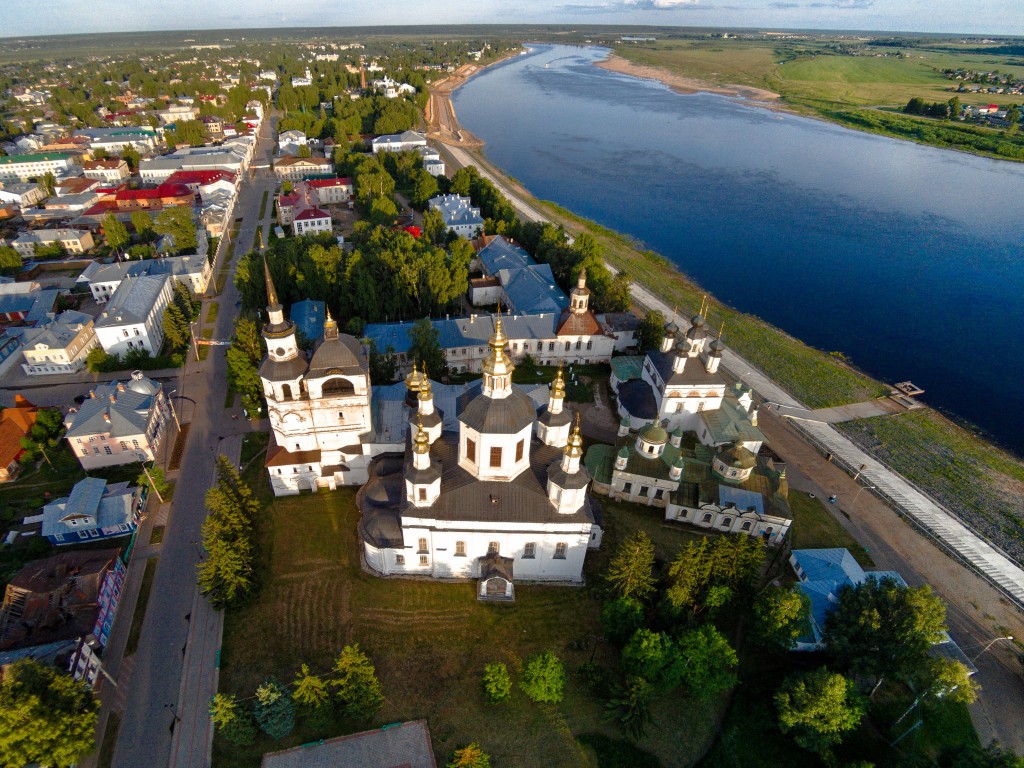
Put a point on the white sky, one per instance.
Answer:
(994, 17)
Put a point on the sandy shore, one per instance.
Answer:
(681, 84)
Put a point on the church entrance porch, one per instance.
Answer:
(496, 579)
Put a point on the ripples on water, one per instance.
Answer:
(904, 257)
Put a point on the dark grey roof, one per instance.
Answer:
(693, 373)
(493, 564)
(559, 419)
(563, 479)
(422, 476)
(287, 370)
(497, 417)
(427, 419)
(340, 355)
(638, 399)
(463, 496)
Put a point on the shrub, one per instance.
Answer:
(544, 678)
(497, 683)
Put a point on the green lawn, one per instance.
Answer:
(135, 631)
(814, 527)
(430, 641)
(981, 483)
(211, 313)
(263, 204)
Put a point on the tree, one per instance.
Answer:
(143, 224)
(725, 561)
(620, 618)
(818, 707)
(177, 223)
(310, 690)
(46, 717)
(434, 229)
(243, 361)
(9, 257)
(176, 328)
(631, 570)
(131, 155)
(630, 705)
(233, 723)
(49, 182)
(274, 710)
(383, 365)
(544, 678)
(158, 481)
(425, 346)
(356, 684)
(881, 628)
(497, 683)
(470, 756)
(651, 331)
(988, 757)
(709, 661)
(304, 151)
(654, 657)
(781, 616)
(115, 232)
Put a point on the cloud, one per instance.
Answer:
(844, 5)
(663, 5)
(784, 5)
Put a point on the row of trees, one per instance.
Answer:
(350, 689)
(179, 316)
(44, 437)
(388, 275)
(243, 360)
(228, 575)
(543, 680)
(176, 222)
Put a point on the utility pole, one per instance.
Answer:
(152, 484)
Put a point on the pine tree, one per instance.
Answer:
(310, 690)
(274, 710)
(631, 571)
(356, 684)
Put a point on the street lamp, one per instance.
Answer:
(860, 491)
(170, 402)
(989, 645)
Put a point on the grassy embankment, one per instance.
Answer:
(975, 479)
(863, 92)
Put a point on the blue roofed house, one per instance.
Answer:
(308, 316)
(526, 286)
(459, 215)
(94, 510)
(823, 573)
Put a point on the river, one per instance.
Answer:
(905, 258)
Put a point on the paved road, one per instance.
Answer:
(152, 708)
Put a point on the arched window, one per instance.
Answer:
(707, 518)
(286, 391)
(492, 548)
(338, 387)
(745, 526)
(726, 522)
(460, 549)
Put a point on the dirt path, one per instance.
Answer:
(976, 612)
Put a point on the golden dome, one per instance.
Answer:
(558, 385)
(426, 391)
(574, 447)
(414, 380)
(421, 443)
(497, 361)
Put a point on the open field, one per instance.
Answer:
(430, 640)
(973, 478)
(815, 528)
(813, 78)
(814, 377)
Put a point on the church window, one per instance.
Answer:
(590, 345)
(493, 548)
(529, 550)
(496, 456)
(424, 560)
(338, 386)
(659, 493)
(107, 449)
(726, 521)
(519, 450)
(560, 549)
(422, 545)
(627, 488)
(135, 443)
(644, 490)
(540, 346)
(578, 343)
(471, 449)
(423, 494)
(568, 345)
(551, 346)
(460, 549)
(399, 559)
(124, 445)
(684, 514)
(733, 473)
(286, 391)
(297, 447)
(341, 415)
(707, 518)
(745, 526)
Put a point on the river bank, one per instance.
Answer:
(687, 85)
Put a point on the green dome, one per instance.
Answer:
(654, 433)
(738, 457)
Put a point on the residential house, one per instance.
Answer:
(34, 166)
(59, 346)
(114, 140)
(110, 171)
(175, 112)
(94, 510)
(290, 168)
(512, 277)
(392, 89)
(399, 142)
(74, 185)
(73, 240)
(165, 195)
(119, 423)
(54, 598)
(133, 317)
(15, 423)
(288, 142)
(311, 221)
(332, 191)
(26, 303)
(460, 217)
(198, 181)
(232, 156)
(23, 195)
(432, 162)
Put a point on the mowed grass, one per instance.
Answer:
(814, 377)
(430, 641)
(814, 527)
(981, 483)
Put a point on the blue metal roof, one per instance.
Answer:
(308, 316)
(834, 565)
(530, 286)
(741, 499)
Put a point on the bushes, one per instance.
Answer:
(544, 678)
(497, 683)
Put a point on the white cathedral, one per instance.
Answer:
(503, 498)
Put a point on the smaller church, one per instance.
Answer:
(688, 441)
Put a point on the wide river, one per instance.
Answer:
(905, 258)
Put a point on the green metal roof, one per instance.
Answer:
(38, 157)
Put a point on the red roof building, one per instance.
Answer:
(164, 196)
(196, 179)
